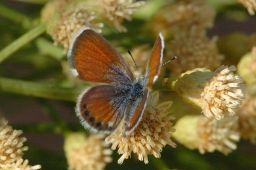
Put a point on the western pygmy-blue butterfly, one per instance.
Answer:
(120, 96)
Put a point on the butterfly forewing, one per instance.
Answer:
(155, 61)
(136, 113)
(94, 59)
(101, 108)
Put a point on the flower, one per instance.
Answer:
(71, 19)
(151, 135)
(250, 5)
(190, 84)
(208, 135)
(223, 94)
(141, 54)
(118, 10)
(193, 50)
(247, 118)
(90, 153)
(182, 15)
(65, 17)
(21, 164)
(11, 144)
(53, 9)
(247, 67)
(220, 135)
(12, 148)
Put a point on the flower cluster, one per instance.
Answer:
(250, 5)
(153, 133)
(12, 148)
(208, 135)
(247, 67)
(69, 18)
(64, 17)
(247, 117)
(193, 50)
(183, 15)
(223, 94)
(220, 135)
(118, 10)
(90, 153)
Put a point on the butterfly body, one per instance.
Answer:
(120, 96)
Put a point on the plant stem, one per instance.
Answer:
(21, 41)
(14, 15)
(158, 163)
(45, 47)
(43, 90)
(34, 1)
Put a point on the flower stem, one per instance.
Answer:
(158, 163)
(34, 1)
(14, 15)
(21, 41)
(43, 90)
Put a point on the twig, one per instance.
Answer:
(14, 16)
(21, 41)
(38, 89)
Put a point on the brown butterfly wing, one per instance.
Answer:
(155, 61)
(92, 58)
(101, 108)
(136, 113)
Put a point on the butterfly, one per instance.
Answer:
(119, 96)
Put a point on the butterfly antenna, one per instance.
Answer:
(129, 52)
(168, 61)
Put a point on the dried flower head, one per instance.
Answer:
(152, 134)
(70, 21)
(207, 135)
(194, 50)
(21, 164)
(90, 153)
(183, 15)
(223, 94)
(119, 10)
(141, 55)
(250, 5)
(12, 147)
(220, 135)
(53, 8)
(11, 144)
(247, 118)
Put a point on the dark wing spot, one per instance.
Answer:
(91, 120)
(84, 106)
(98, 125)
(85, 113)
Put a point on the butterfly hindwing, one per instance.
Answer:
(133, 118)
(101, 108)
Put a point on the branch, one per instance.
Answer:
(21, 41)
(14, 15)
(38, 89)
